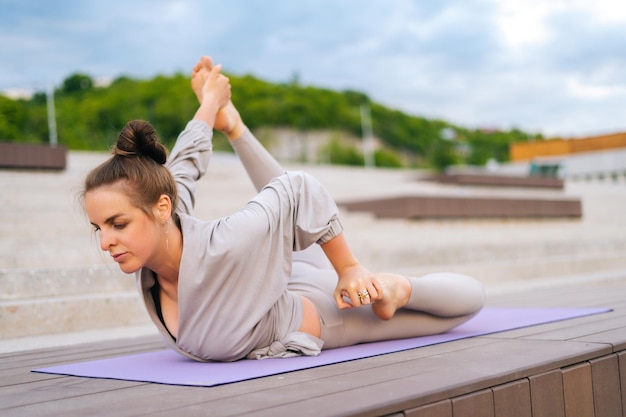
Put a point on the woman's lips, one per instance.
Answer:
(118, 257)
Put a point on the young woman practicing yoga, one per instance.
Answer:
(275, 278)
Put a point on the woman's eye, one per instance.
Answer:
(96, 229)
(119, 226)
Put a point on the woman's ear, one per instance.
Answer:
(163, 208)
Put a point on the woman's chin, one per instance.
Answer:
(129, 269)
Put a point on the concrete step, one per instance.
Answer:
(49, 301)
(71, 313)
(17, 284)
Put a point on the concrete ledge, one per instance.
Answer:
(498, 180)
(413, 207)
(32, 156)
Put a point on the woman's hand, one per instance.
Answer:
(357, 284)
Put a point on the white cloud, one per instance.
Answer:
(603, 11)
(578, 88)
(541, 65)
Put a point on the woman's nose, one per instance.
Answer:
(105, 240)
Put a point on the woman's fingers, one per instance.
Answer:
(339, 300)
(368, 293)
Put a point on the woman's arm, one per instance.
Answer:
(354, 278)
(260, 165)
(191, 153)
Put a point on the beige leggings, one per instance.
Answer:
(438, 302)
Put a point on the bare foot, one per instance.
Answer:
(228, 121)
(199, 75)
(395, 295)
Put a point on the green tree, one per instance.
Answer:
(90, 117)
(76, 83)
(11, 115)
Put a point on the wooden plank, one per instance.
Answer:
(606, 386)
(546, 394)
(621, 356)
(50, 356)
(512, 399)
(613, 296)
(475, 404)
(438, 409)
(611, 322)
(578, 391)
(17, 370)
(529, 332)
(62, 387)
(616, 337)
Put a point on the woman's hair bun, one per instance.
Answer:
(139, 138)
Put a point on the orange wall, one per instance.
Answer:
(553, 147)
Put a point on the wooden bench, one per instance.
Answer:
(495, 180)
(424, 206)
(32, 156)
(563, 369)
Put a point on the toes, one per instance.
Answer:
(207, 63)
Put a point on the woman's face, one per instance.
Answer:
(129, 235)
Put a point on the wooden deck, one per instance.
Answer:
(570, 368)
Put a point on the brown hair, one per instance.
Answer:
(137, 166)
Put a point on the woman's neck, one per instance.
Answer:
(167, 264)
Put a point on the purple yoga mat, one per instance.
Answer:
(168, 367)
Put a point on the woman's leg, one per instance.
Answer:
(437, 303)
(446, 294)
(259, 163)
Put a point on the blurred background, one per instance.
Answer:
(484, 137)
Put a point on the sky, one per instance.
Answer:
(555, 67)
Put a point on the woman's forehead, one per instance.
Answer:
(102, 200)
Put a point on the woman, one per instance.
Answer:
(274, 279)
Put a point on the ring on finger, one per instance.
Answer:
(363, 295)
